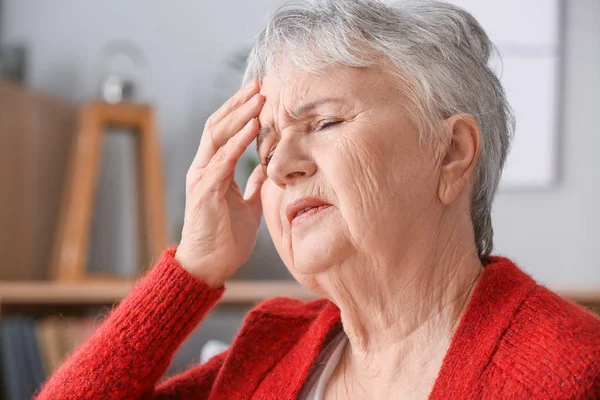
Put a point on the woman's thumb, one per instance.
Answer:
(252, 192)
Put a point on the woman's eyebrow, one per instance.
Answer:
(296, 113)
(263, 133)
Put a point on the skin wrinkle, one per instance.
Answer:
(366, 197)
(347, 147)
(395, 257)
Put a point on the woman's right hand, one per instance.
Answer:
(220, 225)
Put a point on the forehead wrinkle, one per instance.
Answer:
(299, 110)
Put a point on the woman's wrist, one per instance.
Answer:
(195, 268)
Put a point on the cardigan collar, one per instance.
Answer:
(500, 291)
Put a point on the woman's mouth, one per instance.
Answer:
(304, 208)
(308, 212)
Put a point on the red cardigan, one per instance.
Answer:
(516, 340)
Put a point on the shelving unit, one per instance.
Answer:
(51, 293)
(238, 292)
(587, 297)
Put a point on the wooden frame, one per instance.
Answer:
(71, 247)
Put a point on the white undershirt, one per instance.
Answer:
(318, 390)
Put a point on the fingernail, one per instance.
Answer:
(257, 98)
(249, 84)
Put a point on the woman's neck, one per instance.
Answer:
(400, 319)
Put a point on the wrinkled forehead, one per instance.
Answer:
(290, 87)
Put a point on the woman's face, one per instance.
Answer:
(348, 178)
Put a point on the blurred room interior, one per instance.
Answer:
(179, 61)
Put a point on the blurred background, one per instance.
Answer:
(184, 58)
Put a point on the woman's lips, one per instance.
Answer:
(304, 208)
(309, 213)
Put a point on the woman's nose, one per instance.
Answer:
(290, 163)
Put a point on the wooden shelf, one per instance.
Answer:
(109, 292)
(581, 295)
(238, 292)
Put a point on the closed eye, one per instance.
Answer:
(319, 127)
(327, 124)
(265, 162)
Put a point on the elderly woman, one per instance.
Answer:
(382, 133)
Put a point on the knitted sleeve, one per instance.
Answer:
(131, 350)
(195, 383)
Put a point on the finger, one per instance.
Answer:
(216, 137)
(233, 123)
(239, 98)
(222, 165)
(252, 192)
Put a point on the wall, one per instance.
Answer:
(552, 233)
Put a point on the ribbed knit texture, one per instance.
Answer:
(516, 340)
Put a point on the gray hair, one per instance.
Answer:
(439, 52)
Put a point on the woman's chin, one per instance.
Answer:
(309, 267)
(316, 253)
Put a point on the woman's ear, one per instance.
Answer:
(463, 137)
